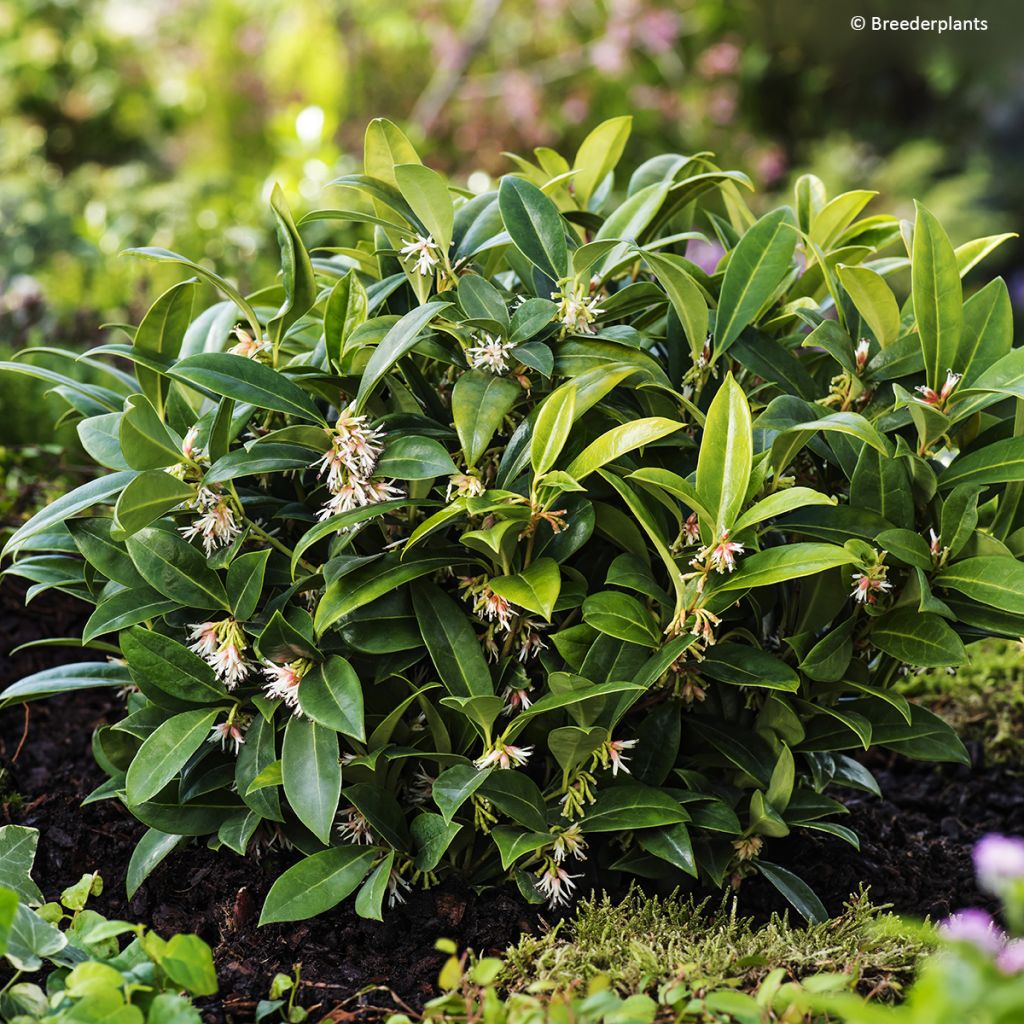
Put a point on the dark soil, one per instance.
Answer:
(915, 855)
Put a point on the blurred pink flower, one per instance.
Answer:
(657, 30)
(718, 60)
(705, 254)
(998, 860)
(976, 927)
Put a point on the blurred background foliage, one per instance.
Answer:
(163, 122)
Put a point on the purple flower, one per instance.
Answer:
(1011, 959)
(976, 927)
(998, 860)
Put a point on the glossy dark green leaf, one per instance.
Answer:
(332, 696)
(311, 774)
(165, 752)
(534, 225)
(480, 402)
(316, 884)
(173, 567)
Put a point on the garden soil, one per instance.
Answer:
(915, 855)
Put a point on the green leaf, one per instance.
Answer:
(779, 503)
(246, 380)
(432, 836)
(918, 639)
(415, 458)
(147, 497)
(92, 538)
(518, 796)
(551, 428)
(572, 745)
(332, 696)
(300, 290)
(347, 308)
(173, 567)
(622, 616)
(95, 492)
(451, 642)
(65, 679)
(370, 898)
(631, 806)
(188, 961)
(671, 843)
(740, 665)
(992, 580)
(160, 334)
(150, 851)
(245, 582)
(795, 889)
(536, 588)
(157, 660)
(726, 457)
(17, 855)
(618, 441)
(996, 463)
(778, 565)
(317, 883)
(535, 226)
(686, 298)
(401, 339)
(874, 301)
(597, 156)
(938, 297)
(125, 608)
(366, 584)
(454, 786)
(159, 255)
(260, 458)
(480, 402)
(165, 751)
(311, 774)
(756, 268)
(426, 192)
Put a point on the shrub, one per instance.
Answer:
(512, 538)
(92, 979)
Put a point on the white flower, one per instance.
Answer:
(247, 345)
(188, 446)
(205, 639)
(215, 525)
(493, 607)
(691, 529)
(530, 640)
(722, 556)
(396, 885)
(614, 752)
(861, 353)
(426, 252)
(227, 732)
(570, 843)
(930, 397)
(867, 586)
(355, 828)
(504, 755)
(283, 681)
(517, 698)
(357, 494)
(222, 645)
(492, 354)
(577, 310)
(464, 485)
(556, 884)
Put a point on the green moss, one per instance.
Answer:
(983, 700)
(643, 943)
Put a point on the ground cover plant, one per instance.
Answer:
(90, 978)
(510, 543)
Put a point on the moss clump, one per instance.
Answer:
(642, 944)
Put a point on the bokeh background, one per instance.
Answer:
(164, 122)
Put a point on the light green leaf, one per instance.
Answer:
(938, 297)
(726, 457)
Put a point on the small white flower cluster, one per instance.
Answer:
(499, 613)
(577, 310)
(464, 485)
(491, 354)
(222, 645)
(215, 523)
(425, 251)
(283, 681)
(867, 586)
(226, 732)
(349, 465)
(938, 398)
(721, 556)
(354, 828)
(503, 755)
